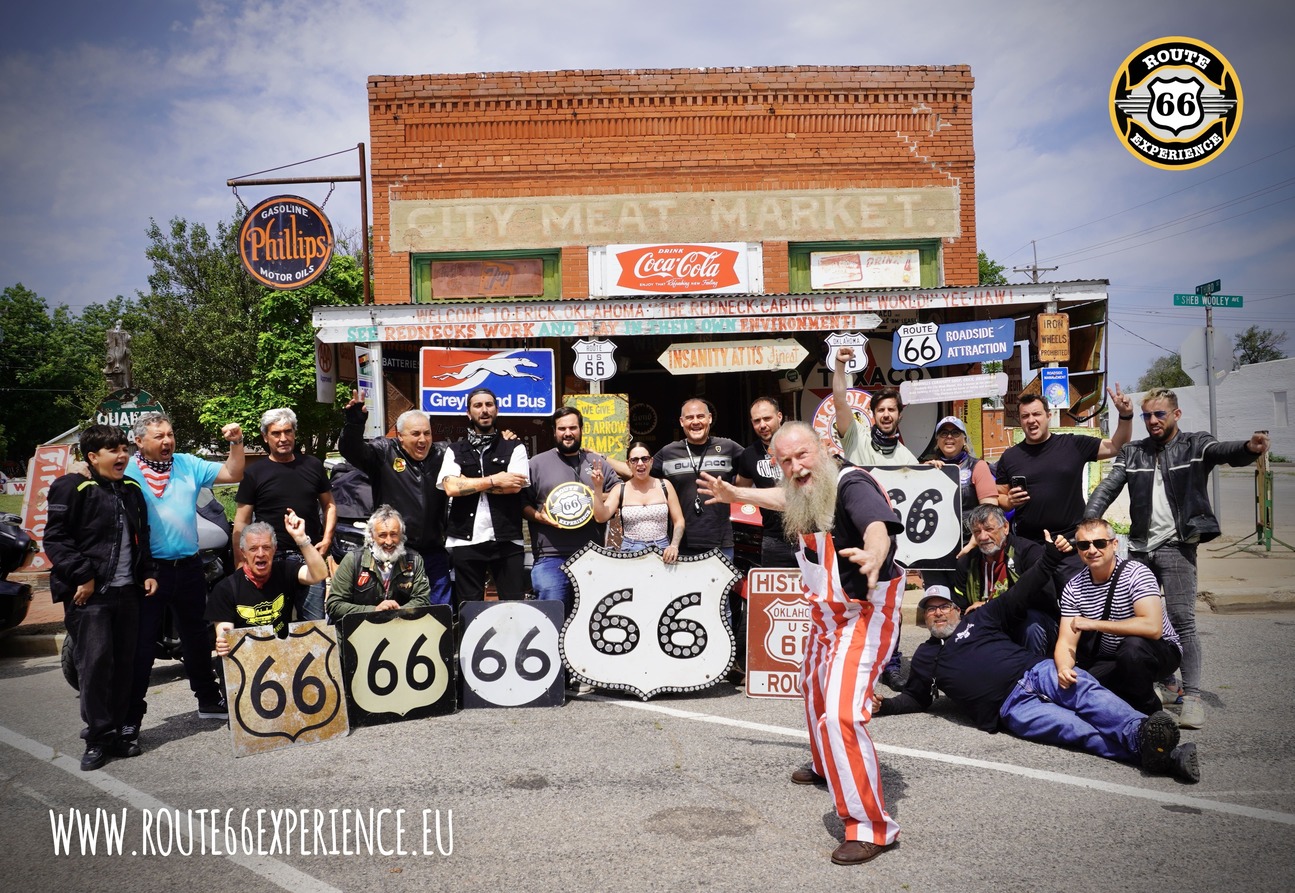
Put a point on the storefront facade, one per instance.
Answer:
(717, 225)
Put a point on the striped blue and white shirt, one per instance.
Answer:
(1084, 598)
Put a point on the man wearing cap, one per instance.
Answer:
(999, 684)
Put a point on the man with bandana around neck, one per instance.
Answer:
(875, 444)
(484, 475)
(262, 592)
(170, 482)
(383, 576)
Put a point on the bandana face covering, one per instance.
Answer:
(884, 443)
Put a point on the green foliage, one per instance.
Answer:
(283, 371)
(991, 273)
(1256, 345)
(51, 366)
(1164, 372)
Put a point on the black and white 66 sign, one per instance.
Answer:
(918, 344)
(398, 664)
(594, 359)
(284, 691)
(509, 656)
(645, 626)
(929, 504)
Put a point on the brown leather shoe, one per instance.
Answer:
(856, 852)
(807, 776)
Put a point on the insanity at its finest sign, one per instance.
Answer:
(285, 242)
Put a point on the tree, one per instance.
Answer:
(991, 273)
(1256, 345)
(1165, 372)
(52, 367)
(283, 373)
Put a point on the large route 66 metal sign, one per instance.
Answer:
(644, 626)
(928, 502)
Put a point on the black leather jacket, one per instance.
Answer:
(83, 533)
(1185, 465)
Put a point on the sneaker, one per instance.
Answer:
(1157, 737)
(128, 732)
(213, 710)
(94, 758)
(125, 747)
(1193, 713)
(893, 674)
(1168, 696)
(1185, 764)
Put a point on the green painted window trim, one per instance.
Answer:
(420, 272)
(798, 260)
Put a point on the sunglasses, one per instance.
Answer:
(639, 459)
(1158, 413)
(948, 432)
(1082, 545)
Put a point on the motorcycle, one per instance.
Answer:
(15, 598)
(353, 496)
(215, 548)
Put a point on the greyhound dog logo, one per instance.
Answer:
(473, 373)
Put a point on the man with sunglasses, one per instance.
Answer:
(1119, 601)
(1167, 475)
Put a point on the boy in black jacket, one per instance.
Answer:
(97, 539)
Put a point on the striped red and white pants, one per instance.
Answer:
(849, 644)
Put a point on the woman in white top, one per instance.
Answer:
(649, 507)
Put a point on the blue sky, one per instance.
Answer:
(115, 113)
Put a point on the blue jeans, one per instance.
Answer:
(1084, 717)
(437, 564)
(1175, 569)
(551, 583)
(629, 545)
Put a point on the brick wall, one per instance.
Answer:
(517, 134)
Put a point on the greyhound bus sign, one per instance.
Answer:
(523, 381)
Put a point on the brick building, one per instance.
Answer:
(743, 210)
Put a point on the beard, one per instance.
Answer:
(942, 629)
(810, 508)
(990, 549)
(387, 556)
(569, 450)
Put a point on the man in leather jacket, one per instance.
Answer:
(1167, 475)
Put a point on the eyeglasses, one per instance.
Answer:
(948, 432)
(941, 608)
(1083, 545)
(639, 459)
(1158, 413)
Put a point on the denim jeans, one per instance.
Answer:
(1084, 716)
(436, 562)
(1175, 568)
(629, 545)
(551, 583)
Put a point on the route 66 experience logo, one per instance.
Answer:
(1176, 103)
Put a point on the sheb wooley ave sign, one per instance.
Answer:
(285, 242)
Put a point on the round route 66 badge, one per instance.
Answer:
(1176, 103)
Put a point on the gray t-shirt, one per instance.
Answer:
(563, 486)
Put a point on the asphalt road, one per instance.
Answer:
(681, 793)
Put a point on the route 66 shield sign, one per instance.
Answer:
(284, 691)
(594, 359)
(645, 626)
(398, 664)
(857, 340)
(1175, 103)
(918, 344)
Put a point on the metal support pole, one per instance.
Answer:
(1209, 378)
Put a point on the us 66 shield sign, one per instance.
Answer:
(917, 345)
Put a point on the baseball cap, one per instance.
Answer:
(951, 420)
(933, 592)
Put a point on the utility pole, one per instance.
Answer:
(1034, 269)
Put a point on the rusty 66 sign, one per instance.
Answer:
(645, 626)
(285, 242)
(284, 691)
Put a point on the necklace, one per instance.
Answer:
(695, 463)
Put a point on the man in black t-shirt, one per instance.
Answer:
(682, 462)
(1042, 476)
(287, 480)
(262, 591)
(757, 467)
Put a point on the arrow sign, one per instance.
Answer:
(683, 358)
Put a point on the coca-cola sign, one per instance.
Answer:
(676, 269)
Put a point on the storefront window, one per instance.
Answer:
(472, 275)
(830, 266)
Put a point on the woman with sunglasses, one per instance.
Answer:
(649, 507)
(975, 479)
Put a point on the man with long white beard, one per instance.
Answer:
(383, 576)
(845, 527)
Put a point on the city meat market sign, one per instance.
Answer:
(285, 242)
(731, 314)
(732, 356)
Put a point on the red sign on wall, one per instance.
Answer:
(50, 462)
(777, 630)
(674, 269)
